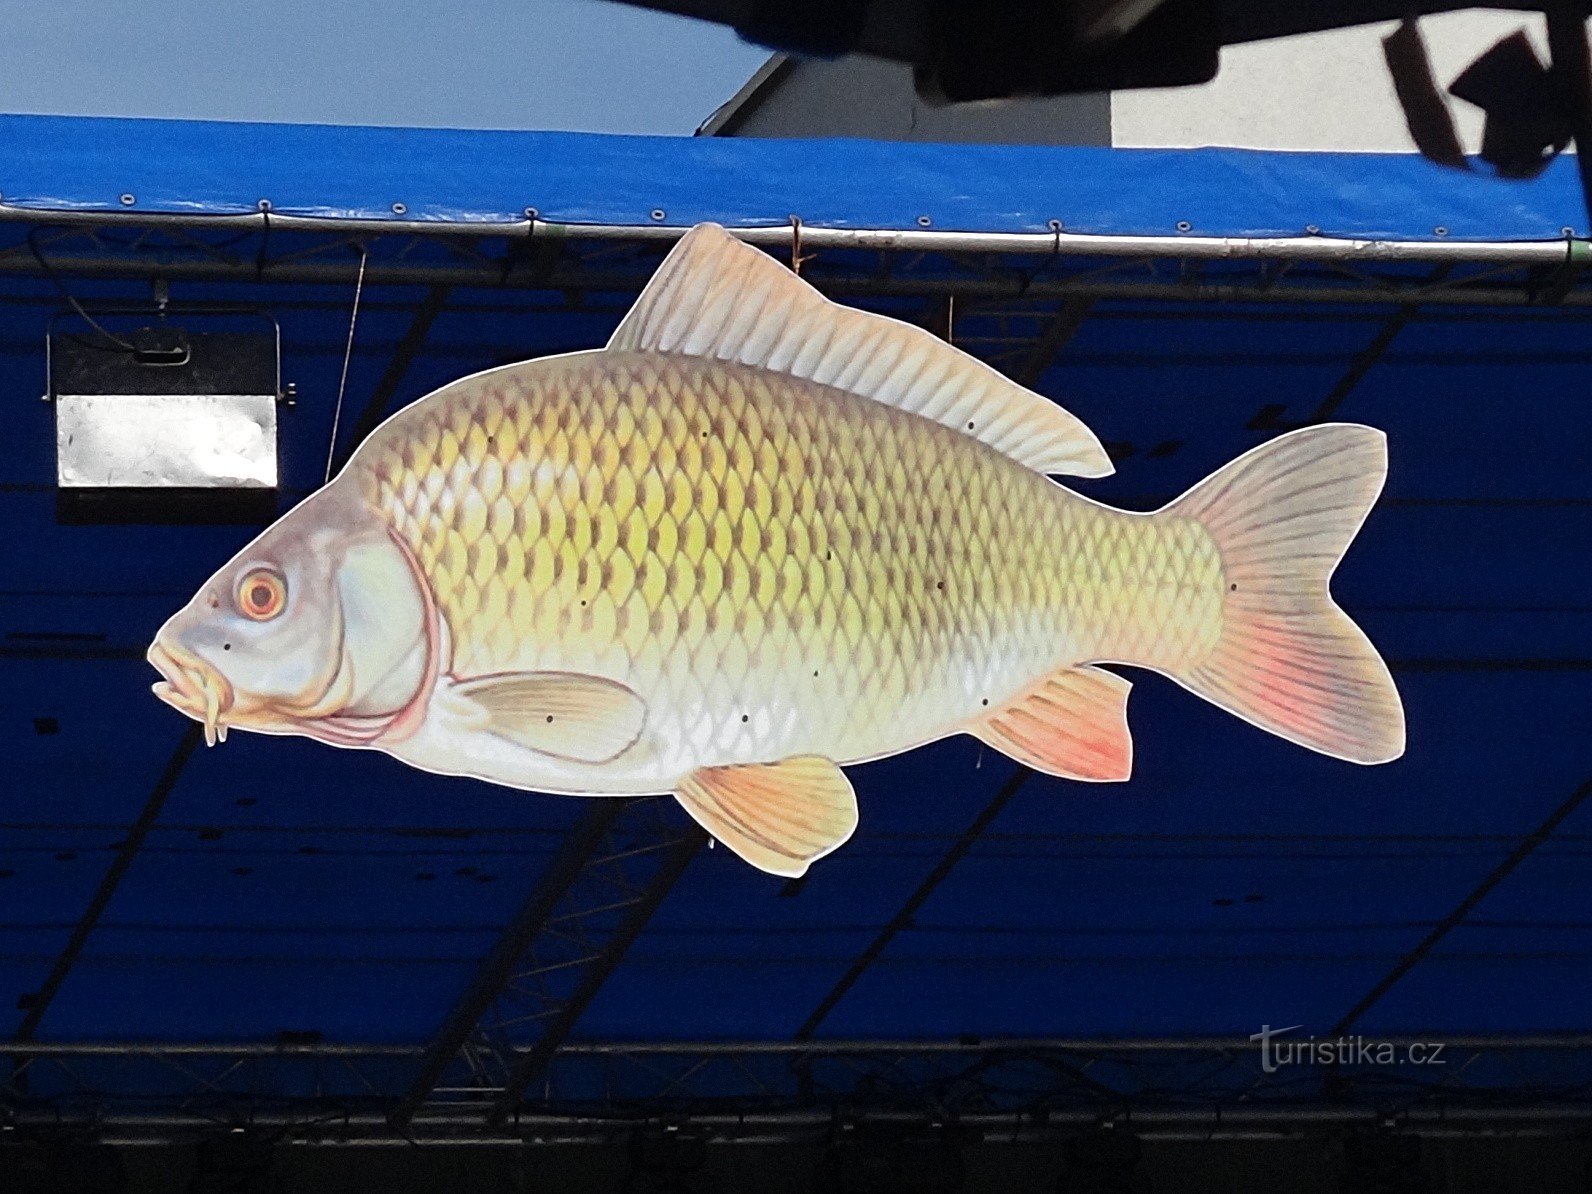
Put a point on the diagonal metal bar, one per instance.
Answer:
(502, 964)
(903, 918)
(1502, 871)
(125, 853)
(533, 1063)
(1364, 363)
(1269, 418)
(1062, 328)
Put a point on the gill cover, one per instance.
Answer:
(320, 626)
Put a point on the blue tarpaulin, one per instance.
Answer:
(55, 163)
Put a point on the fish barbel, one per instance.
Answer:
(760, 536)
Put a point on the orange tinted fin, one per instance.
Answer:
(1073, 724)
(1289, 660)
(777, 816)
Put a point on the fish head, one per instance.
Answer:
(322, 626)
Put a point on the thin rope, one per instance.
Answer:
(348, 355)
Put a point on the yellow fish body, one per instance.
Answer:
(760, 536)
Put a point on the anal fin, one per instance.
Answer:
(1072, 724)
(779, 817)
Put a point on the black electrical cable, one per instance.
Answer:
(121, 345)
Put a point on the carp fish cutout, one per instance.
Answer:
(757, 537)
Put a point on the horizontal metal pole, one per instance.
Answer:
(1159, 1135)
(1550, 1041)
(1075, 244)
(1021, 1044)
(204, 1049)
(854, 286)
(924, 240)
(259, 221)
(461, 1127)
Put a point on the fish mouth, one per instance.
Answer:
(193, 687)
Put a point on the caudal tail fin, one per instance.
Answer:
(1288, 659)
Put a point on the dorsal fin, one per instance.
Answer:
(716, 297)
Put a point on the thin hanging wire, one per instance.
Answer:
(797, 257)
(348, 355)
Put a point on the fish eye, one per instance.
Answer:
(261, 594)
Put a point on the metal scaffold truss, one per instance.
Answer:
(792, 1091)
(599, 893)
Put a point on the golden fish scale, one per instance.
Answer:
(776, 566)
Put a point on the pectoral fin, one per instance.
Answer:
(777, 816)
(1073, 724)
(585, 718)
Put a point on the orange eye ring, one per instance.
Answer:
(262, 594)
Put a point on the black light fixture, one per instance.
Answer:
(164, 414)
